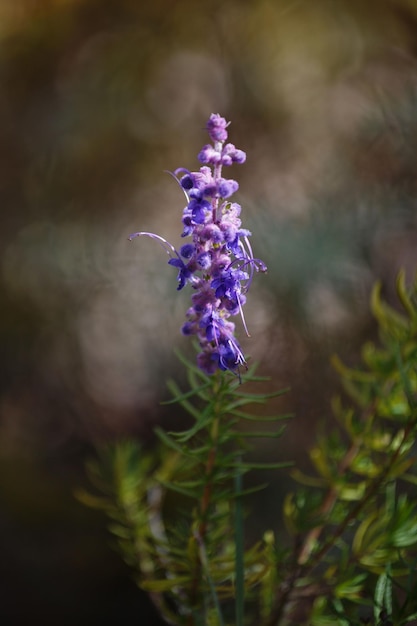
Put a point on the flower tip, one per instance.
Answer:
(216, 127)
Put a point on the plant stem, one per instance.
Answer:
(239, 543)
(205, 502)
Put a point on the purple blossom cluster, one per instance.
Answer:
(218, 262)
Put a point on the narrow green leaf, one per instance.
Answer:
(179, 488)
(159, 586)
(411, 617)
(338, 606)
(184, 396)
(262, 466)
(262, 418)
(235, 405)
(250, 490)
(405, 379)
(259, 434)
(120, 531)
(168, 441)
(193, 411)
(403, 294)
(410, 478)
(191, 366)
(383, 594)
(387, 317)
(202, 391)
(310, 481)
(349, 373)
(261, 397)
(91, 501)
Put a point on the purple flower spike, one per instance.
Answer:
(219, 263)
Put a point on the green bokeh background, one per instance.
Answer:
(97, 99)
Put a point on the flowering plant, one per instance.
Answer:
(219, 263)
(352, 550)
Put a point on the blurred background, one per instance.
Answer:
(97, 99)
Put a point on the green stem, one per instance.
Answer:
(239, 543)
(205, 502)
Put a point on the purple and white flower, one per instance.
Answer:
(218, 263)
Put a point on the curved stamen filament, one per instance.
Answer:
(242, 316)
(254, 264)
(174, 176)
(169, 248)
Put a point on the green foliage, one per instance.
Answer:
(177, 512)
(190, 555)
(357, 523)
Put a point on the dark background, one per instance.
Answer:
(97, 99)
